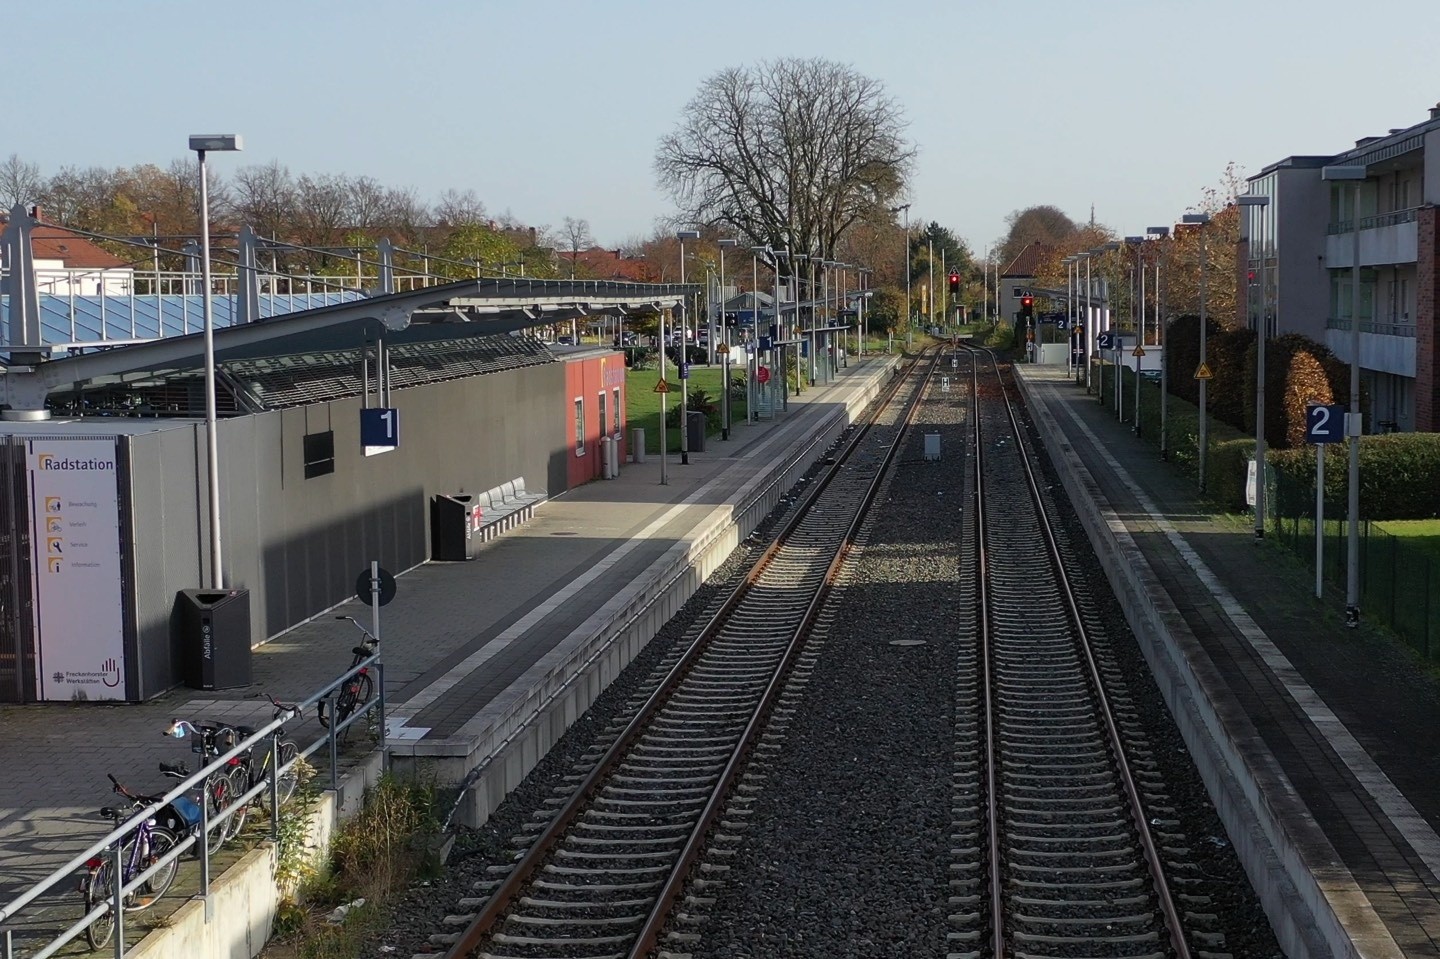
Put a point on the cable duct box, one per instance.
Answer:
(932, 446)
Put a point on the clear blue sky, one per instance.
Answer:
(554, 109)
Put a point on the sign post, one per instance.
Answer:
(1323, 424)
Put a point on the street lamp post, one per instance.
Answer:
(203, 144)
(1069, 263)
(1353, 425)
(724, 244)
(1202, 220)
(682, 236)
(1160, 233)
(664, 406)
(909, 312)
(1138, 309)
(1261, 333)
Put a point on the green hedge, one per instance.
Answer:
(1398, 474)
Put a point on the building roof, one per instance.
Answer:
(1029, 260)
(51, 242)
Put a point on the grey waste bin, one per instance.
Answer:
(695, 423)
(215, 637)
(454, 520)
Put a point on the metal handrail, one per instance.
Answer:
(118, 837)
(1374, 221)
(1370, 326)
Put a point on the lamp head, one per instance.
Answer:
(684, 235)
(1196, 219)
(1158, 230)
(216, 142)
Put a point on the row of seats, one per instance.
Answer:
(506, 506)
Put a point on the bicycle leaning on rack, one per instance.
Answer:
(358, 689)
(142, 850)
(220, 789)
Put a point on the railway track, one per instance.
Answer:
(601, 877)
(1053, 853)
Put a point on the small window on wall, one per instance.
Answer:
(319, 454)
(616, 408)
(579, 426)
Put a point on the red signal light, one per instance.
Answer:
(1027, 301)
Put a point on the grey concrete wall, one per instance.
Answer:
(298, 544)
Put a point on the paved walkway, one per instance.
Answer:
(457, 637)
(1349, 716)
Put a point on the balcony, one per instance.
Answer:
(1388, 347)
(1385, 239)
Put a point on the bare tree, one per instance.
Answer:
(20, 182)
(791, 153)
(576, 234)
(457, 208)
(265, 198)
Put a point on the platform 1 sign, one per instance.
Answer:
(379, 429)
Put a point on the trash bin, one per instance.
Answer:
(695, 423)
(454, 520)
(215, 637)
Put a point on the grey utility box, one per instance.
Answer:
(932, 446)
(695, 424)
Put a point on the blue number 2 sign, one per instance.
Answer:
(379, 429)
(1324, 424)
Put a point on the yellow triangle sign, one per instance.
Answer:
(662, 387)
(1202, 372)
(1138, 351)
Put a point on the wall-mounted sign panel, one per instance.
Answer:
(79, 604)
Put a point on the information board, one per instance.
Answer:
(75, 547)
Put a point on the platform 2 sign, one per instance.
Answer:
(379, 429)
(1324, 424)
(77, 583)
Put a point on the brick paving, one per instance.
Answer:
(1347, 715)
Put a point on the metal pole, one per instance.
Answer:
(212, 443)
(1263, 331)
(752, 358)
(1319, 519)
(1204, 382)
(664, 404)
(724, 357)
(1140, 337)
(1092, 322)
(930, 262)
(684, 388)
(117, 902)
(909, 309)
(1164, 367)
(1354, 427)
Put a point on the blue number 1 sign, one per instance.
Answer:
(379, 430)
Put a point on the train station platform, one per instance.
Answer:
(1321, 737)
(485, 659)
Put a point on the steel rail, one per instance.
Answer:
(648, 938)
(1122, 765)
(983, 599)
(521, 875)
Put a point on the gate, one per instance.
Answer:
(17, 649)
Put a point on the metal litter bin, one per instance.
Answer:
(454, 521)
(215, 637)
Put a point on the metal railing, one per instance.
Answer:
(1372, 326)
(1374, 222)
(115, 843)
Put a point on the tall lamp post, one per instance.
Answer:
(1353, 425)
(1202, 220)
(1087, 321)
(682, 236)
(1138, 309)
(1069, 263)
(1262, 332)
(1160, 233)
(203, 144)
(905, 264)
(724, 244)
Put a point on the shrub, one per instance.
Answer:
(1230, 394)
(1397, 475)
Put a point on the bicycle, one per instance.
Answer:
(146, 846)
(288, 777)
(220, 789)
(358, 689)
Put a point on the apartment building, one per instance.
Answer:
(1295, 258)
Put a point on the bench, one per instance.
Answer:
(506, 506)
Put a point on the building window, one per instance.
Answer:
(319, 454)
(616, 412)
(579, 426)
